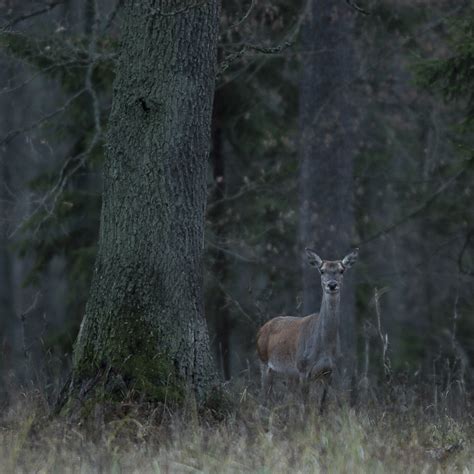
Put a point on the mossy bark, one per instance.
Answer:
(144, 319)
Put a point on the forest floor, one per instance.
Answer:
(372, 438)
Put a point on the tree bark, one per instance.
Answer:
(220, 310)
(327, 148)
(144, 327)
(9, 353)
(7, 316)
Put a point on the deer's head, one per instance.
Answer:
(332, 271)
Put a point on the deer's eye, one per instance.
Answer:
(341, 271)
(321, 271)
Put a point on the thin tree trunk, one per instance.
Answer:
(144, 326)
(9, 353)
(7, 315)
(327, 147)
(220, 265)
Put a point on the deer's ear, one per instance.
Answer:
(313, 258)
(350, 258)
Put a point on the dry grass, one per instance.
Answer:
(251, 439)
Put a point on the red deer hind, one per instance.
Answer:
(308, 347)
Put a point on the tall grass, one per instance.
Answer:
(282, 437)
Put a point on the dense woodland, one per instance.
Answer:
(164, 165)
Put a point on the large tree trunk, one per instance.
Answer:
(144, 325)
(326, 152)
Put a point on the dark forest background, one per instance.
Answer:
(326, 134)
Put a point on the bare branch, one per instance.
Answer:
(26, 16)
(248, 188)
(417, 210)
(267, 50)
(28, 80)
(247, 14)
(30, 308)
(357, 8)
(233, 57)
(14, 133)
(383, 337)
(66, 175)
(233, 254)
(111, 17)
(235, 302)
(23, 315)
(464, 248)
(49, 201)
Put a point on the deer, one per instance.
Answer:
(307, 348)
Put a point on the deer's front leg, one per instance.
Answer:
(304, 388)
(267, 381)
(326, 381)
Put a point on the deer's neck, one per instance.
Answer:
(319, 346)
(329, 316)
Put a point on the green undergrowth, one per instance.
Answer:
(252, 438)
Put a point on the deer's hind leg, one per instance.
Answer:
(304, 389)
(267, 380)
